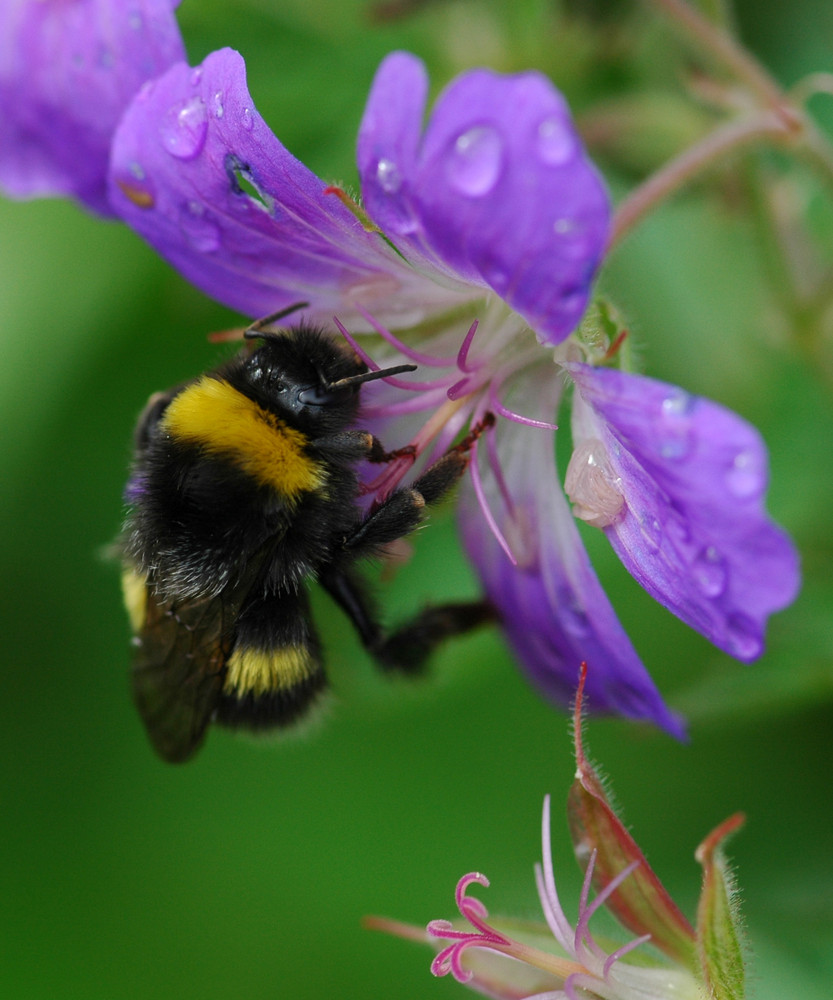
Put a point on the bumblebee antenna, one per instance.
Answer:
(258, 328)
(371, 376)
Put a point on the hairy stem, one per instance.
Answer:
(724, 139)
(723, 46)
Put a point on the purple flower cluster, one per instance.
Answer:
(487, 225)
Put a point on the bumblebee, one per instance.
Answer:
(244, 487)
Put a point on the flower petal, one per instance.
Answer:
(67, 72)
(199, 174)
(500, 193)
(693, 531)
(551, 604)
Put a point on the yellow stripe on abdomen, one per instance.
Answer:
(215, 416)
(259, 671)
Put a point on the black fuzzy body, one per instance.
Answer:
(243, 488)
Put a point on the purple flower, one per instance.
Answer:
(486, 227)
(484, 230)
(67, 72)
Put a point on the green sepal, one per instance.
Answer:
(641, 902)
(718, 920)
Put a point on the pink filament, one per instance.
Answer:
(409, 352)
(477, 483)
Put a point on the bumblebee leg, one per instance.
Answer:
(409, 646)
(274, 671)
(350, 594)
(402, 511)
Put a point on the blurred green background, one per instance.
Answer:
(246, 873)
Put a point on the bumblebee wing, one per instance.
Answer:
(180, 652)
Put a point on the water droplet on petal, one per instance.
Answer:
(746, 476)
(678, 530)
(247, 119)
(677, 403)
(196, 76)
(475, 160)
(710, 572)
(675, 433)
(388, 176)
(593, 486)
(217, 105)
(496, 276)
(744, 637)
(201, 232)
(651, 531)
(555, 142)
(184, 128)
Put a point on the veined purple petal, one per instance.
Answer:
(67, 72)
(693, 530)
(499, 192)
(199, 174)
(552, 607)
(388, 143)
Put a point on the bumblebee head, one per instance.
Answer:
(306, 376)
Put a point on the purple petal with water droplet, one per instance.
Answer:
(552, 606)
(694, 531)
(67, 72)
(499, 192)
(199, 174)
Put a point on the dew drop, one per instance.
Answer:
(677, 529)
(675, 433)
(593, 486)
(710, 572)
(555, 142)
(745, 477)
(184, 128)
(217, 105)
(651, 531)
(196, 76)
(475, 160)
(388, 176)
(201, 232)
(497, 277)
(247, 119)
(744, 637)
(678, 403)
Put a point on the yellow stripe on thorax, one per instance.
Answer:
(214, 415)
(259, 672)
(134, 590)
